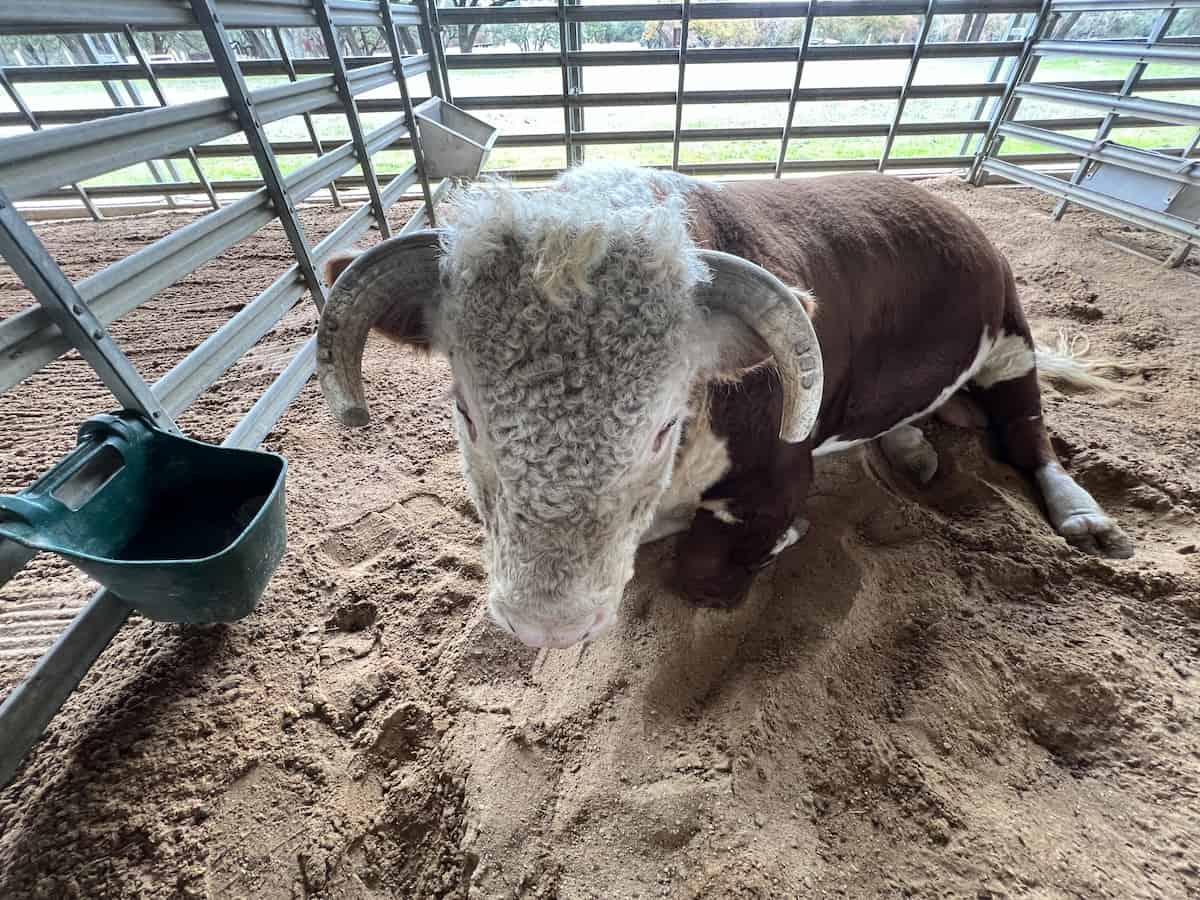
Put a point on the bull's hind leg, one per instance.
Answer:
(908, 451)
(1007, 390)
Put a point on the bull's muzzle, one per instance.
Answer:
(556, 635)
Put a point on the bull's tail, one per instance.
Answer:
(1068, 364)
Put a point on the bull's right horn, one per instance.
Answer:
(393, 285)
(762, 302)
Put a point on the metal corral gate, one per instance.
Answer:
(1155, 190)
(75, 315)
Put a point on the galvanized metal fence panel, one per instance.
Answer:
(75, 315)
(1152, 189)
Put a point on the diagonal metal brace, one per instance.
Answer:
(66, 309)
(239, 96)
(329, 33)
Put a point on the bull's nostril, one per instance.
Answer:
(507, 624)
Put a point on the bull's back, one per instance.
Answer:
(905, 284)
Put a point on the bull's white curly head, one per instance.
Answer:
(572, 322)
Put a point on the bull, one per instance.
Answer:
(638, 354)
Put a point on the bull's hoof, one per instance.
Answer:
(908, 451)
(1097, 534)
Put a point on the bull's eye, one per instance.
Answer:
(663, 434)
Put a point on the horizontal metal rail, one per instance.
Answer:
(32, 163)
(1160, 164)
(413, 66)
(649, 98)
(28, 340)
(1121, 209)
(1156, 110)
(1118, 50)
(775, 95)
(717, 56)
(1072, 6)
(65, 16)
(667, 12)
(401, 142)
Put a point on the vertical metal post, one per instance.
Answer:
(329, 33)
(568, 139)
(286, 59)
(433, 44)
(1158, 31)
(410, 119)
(683, 46)
(1040, 24)
(997, 65)
(56, 294)
(256, 137)
(144, 62)
(1175, 260)
(575, 81)
(35, 125)
(89, 50)
(922, 36)
(801, 54)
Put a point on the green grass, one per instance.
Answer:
(662, 78)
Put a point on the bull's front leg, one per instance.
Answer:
(742, 526)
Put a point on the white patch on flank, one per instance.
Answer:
(704, 462)
(1010, 358)
(835, 444)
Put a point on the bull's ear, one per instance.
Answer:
(402, 323)
(773, 311)
(336, 264)
(732, 347)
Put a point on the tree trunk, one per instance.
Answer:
(262, 50)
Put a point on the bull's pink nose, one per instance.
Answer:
(556, 635)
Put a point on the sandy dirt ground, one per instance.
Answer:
(930, 696)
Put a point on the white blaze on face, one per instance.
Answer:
(567, 325)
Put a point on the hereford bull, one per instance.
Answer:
(637, 354)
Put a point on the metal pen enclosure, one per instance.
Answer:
(75, 315)
(68, 147)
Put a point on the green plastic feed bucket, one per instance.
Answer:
(180, 530)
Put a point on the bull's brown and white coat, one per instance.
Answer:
(660, 420)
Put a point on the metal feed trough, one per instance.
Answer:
(54, 163)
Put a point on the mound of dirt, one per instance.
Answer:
(931, 695)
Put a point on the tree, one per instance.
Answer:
(611, 32)
(721, 33)
(34, 49)
(868, 29)
(529, 36)
(467, 34)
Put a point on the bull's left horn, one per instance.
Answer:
(394, 285)
(770, 309)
